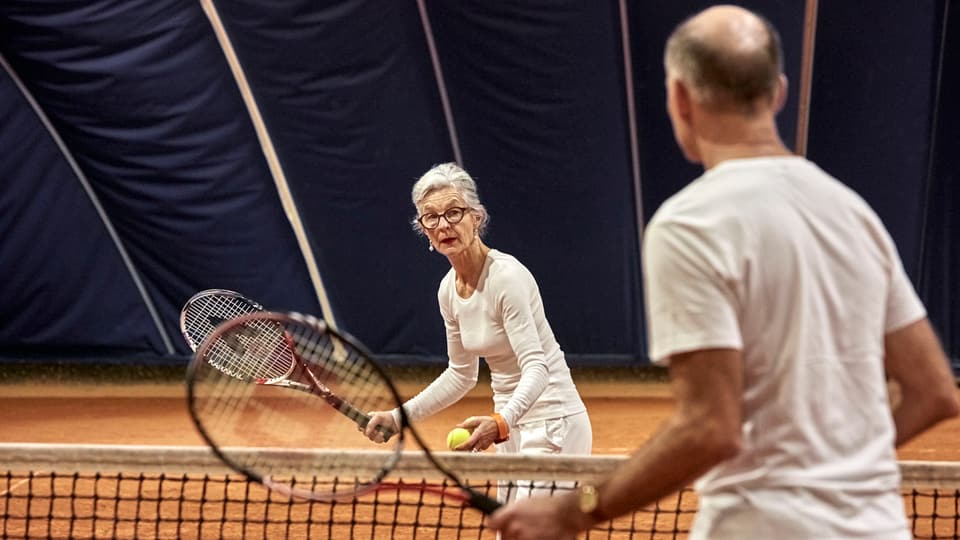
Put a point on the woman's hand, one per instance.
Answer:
(380, 422)
(484, 433)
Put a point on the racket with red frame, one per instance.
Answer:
(290, 441)
(205, 311)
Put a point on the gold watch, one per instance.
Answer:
(588, 498)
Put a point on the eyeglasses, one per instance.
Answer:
(452, 215)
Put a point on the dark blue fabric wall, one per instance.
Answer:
(664, 169)
(873, 92)
(939, 252)
(543, 128)
(885, 122)
(56, 260)
(348, 94)
(140, 176)
(144, 102)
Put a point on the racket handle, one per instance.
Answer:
(481, 502)
(335, 401)
(346, 408)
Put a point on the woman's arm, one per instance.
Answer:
(515, 301)
(455, 381)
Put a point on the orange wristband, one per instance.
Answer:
(503, 430)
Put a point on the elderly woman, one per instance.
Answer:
(491, 308)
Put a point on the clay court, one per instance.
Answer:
(623, 413)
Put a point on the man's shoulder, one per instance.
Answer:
(733, 186)
(696, 198)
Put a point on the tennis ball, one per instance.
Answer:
(456, 437)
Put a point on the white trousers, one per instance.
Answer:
(565, 435)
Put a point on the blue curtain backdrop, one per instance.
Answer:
(134, 173)
(939, 256)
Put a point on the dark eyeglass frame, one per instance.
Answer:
(427, 218)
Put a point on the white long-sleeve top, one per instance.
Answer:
(504, 323)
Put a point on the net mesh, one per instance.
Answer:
(96, 491)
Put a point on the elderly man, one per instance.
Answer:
(780, 304)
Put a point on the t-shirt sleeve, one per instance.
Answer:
(690, 298)
(903, 304)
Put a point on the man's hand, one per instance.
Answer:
(540, 518)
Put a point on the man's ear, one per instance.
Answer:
(682, 97)
(780, 98)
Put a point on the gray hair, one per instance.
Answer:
(722, 75)
(449, 175)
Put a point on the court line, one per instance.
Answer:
(6, 492)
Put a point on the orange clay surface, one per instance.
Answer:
(623, 415)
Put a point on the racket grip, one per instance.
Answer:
(481, 502)
(355, 414)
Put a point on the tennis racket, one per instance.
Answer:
(288, 441)
(205, 311)
(210, 308)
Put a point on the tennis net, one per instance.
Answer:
(121, 491)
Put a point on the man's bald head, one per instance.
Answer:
(729, 57)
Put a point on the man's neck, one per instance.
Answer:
(725, 140)
(713, 156)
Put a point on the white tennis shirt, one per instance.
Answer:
(774, 257)
(503, 322)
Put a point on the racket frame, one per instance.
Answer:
(192, 305)
(468, 495)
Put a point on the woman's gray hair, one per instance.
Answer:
(449, 175)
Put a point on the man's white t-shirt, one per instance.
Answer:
(773, 257)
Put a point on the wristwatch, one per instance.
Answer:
(588, 498)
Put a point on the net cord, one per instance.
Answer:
(410, 463)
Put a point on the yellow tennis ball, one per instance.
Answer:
(456, 437)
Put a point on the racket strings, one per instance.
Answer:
(288, 428)
(334, 363)
(205, 312)
(256, 350)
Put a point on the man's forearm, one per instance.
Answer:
(675, 456)
(917, 413)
